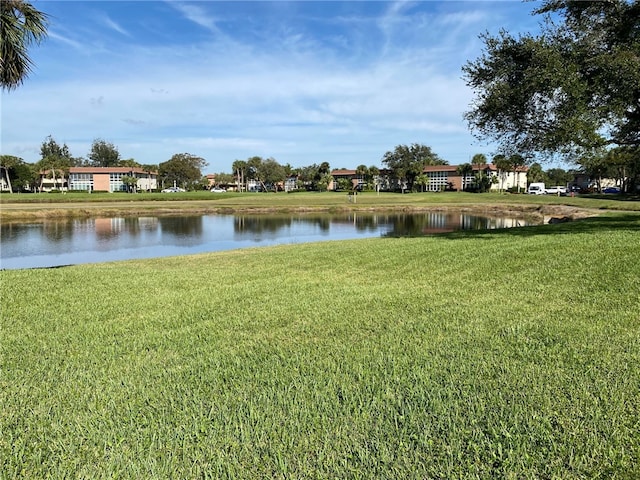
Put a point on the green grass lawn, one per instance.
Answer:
(501, 354)
(20, 207)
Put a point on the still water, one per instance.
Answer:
(67, 242)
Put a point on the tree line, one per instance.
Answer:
(403, 170)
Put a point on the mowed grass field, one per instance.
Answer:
(502, 354)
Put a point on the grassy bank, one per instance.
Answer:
(508, 354)
(47, 206)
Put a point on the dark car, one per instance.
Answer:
(613, 190)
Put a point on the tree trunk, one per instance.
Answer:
(6, 173)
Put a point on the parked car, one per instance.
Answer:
(173, 190)
(614, 190)
(557, 190)
(218, 190)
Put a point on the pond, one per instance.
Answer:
(67, 242)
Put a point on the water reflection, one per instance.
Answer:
(54, 243)
(432, 223)
(182, 227)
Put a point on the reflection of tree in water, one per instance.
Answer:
(132, 226)
(259, 224)
(368, 222)
(431, 223)
(273, 223)
(182, 226)
(410, 225)
(60, 230)
(473, 222)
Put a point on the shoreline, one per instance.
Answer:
(25, 213)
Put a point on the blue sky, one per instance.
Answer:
(302, 82)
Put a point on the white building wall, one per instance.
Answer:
(507, 180)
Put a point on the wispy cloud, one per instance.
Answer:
(109, 23)
(197, 15)
(53, 35)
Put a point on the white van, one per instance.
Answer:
(537, 189)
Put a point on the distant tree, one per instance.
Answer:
(270, 173)
(51, 148)
(21, 25)
(568, 90)
(464, 171)
(224, 178)
(253, 163)
(288, 170)
(315, 177)
(306, 176)
(373, 174)
(595, 165)
(8, 164)
(240, 170)
(361, 176)
(55, 161)
(517, 161)
(183, 168)
(104, 154)
(131, 183)
(624, 165)
(324, 182)
(479, 159)
(482, 182)
(535, 173)
(407, 162)
(129, 162)
(558, 176)
(422, 180)
(344, 184)
(503, 164)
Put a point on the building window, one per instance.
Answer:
(437, 181)
(115, 182)
(81, 181)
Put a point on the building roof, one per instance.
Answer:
(440, 168)
(108, 170)
(454, 168)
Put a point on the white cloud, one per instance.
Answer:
(114, 26)
(197, 15)
(378, 82)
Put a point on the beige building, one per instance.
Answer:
(446, 177)
(103, 179)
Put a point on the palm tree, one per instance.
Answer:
(517, 162)
(20, 26)
(464, 170)
(7, 162)
(479, 159)
(240, 169)
(361, 171)
(422, 180)
(503, 165)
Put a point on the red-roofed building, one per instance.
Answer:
(105, 179)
